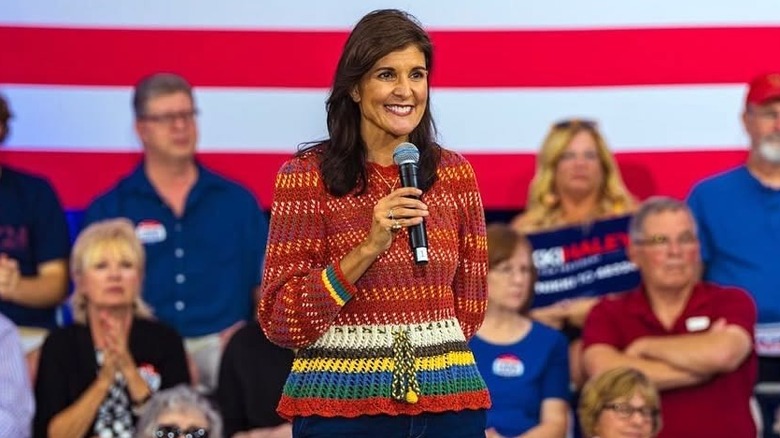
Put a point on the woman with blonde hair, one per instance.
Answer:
(94, 373)
(620, 402)
(577, 180)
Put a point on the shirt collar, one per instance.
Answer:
(139, 182)
(639, 303)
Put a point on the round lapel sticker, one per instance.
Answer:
(150, 231)
(508, 365)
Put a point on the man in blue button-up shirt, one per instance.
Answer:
(204, 235)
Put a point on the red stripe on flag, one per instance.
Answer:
(549, 58)
(503, 179)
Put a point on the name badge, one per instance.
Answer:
(150, 231)
(697, 323)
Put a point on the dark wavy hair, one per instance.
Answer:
(343, 155)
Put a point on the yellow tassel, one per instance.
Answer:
(411, 397)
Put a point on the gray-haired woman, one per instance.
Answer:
(179, 412)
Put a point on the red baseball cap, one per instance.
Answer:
(763, 88)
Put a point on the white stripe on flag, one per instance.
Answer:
(459, 14)
(469, 120)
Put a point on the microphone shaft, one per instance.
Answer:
(418, 237)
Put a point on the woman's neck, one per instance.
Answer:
(382, 157)
(504, 326)
(380, 147)
(579, 209)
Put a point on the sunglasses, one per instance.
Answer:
(173, 431)
(572, 123)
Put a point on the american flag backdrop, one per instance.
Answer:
(664, 79)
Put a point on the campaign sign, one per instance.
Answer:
(584, 260)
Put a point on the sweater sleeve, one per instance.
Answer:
(470, 282)
(302, 291)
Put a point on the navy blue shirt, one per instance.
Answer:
(33, 230)
(201, 268)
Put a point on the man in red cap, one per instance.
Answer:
(738, 216)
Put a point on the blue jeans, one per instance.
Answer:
(461, 424)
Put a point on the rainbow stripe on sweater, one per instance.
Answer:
(394, 341)
(350, 370)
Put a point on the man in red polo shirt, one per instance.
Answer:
(693, 339)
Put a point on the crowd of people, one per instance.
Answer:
(324, 322)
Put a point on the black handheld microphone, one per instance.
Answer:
(406, 156)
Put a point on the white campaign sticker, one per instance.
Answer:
(697, 323)
(150, 231)
(508, 365)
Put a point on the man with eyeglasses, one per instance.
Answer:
(738, 213)
(204, 235)
(693, 339)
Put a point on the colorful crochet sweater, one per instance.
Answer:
(395, 341)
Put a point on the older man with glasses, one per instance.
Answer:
(694, 340)
(204, 235)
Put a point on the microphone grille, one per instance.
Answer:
(406, 153)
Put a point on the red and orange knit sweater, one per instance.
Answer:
(395, 341)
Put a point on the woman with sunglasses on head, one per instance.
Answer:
(95, 374)
(577, 182)
(524, 363)
(179, 412)
(621, 402)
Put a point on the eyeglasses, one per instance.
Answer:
(660, 241)
(170, 118)
(573, 123)
(173, 431)
(626, 411)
